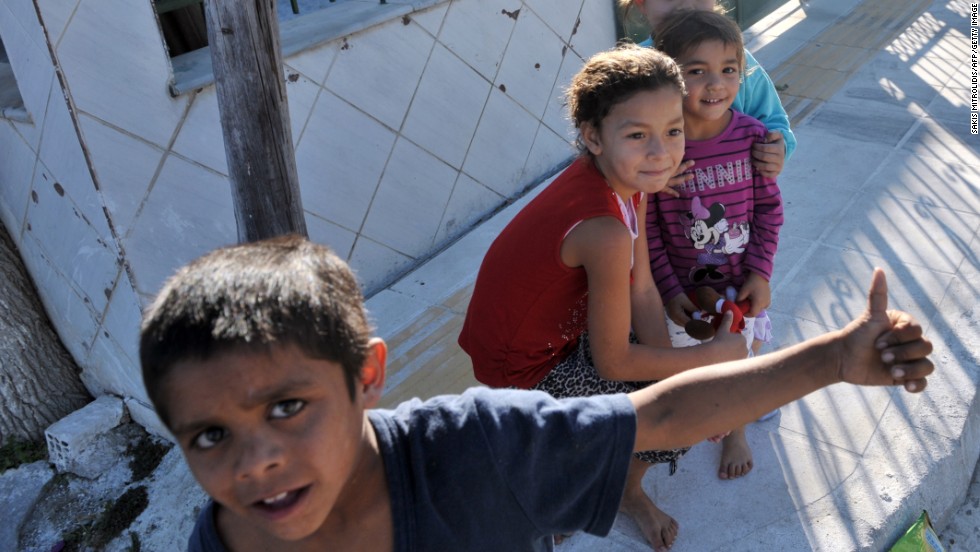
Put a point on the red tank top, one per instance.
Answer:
(528, 308)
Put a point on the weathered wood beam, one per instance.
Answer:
(247, 63)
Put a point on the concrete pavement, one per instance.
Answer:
(886, 174)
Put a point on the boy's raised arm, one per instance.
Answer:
(880, 347)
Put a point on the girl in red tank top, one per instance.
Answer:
(558, 305)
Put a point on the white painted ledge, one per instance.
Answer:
(192, 70)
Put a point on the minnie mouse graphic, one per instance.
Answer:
(709, 230)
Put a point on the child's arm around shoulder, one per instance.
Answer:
(880, 347)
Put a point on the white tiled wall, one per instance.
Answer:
(67, 238)
(447, 107)
(65, 165)
(398, 52)
(301, 95)
(548, 147)
(406, 135)
(199, 138)
(469, 202)
(376, 264)
(124, 168)
(501, 144)
(340, 160)
(594, 28)
(24, 41)
(116, 68)
(530, 64)
(56, 14)
(15, 176)
(555, 115)
(187, 213)
(410, 201)
(340, 239)
(559, 15)
(72, 315)
(477, 32)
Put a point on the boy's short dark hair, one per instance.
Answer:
(686, 29)
(613, 76)
(255, 296)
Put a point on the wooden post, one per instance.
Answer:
(247, 64)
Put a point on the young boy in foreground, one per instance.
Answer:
(260, 360)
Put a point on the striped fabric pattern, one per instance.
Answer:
(725, 222)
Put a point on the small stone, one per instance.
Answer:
(19, 490)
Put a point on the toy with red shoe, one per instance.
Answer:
(704, 323)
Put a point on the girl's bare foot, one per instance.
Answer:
(736, 456)
(659, 529)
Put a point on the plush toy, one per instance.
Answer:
(713, 305)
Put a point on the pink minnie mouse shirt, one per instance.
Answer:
(725, 222)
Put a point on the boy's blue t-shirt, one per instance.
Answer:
(757, 97)
(495, 470)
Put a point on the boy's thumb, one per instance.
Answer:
(878, 294)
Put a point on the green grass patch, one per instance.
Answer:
(145, 455)
(21, 451)
(113, 520)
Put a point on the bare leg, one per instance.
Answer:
(736, 456)
(658, 528)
